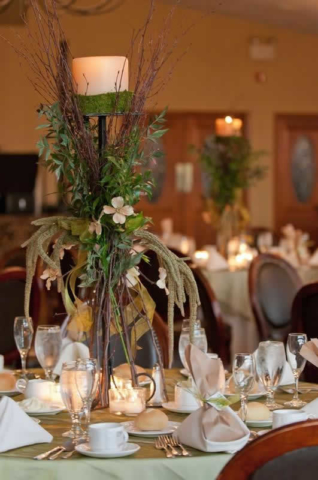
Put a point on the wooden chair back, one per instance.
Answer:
(290, 452)
(305, 320)
(13, 258)
(12, 285)
(273, 284)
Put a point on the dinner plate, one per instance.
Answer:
(260, 423)
(51, 411)
(251, 396)
(132, 430)
(173, 407)
(129, 449)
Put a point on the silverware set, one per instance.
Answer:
(172, 446)
(67, 449)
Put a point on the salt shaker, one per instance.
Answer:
(159, 397)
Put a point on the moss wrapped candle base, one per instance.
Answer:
(112, 102)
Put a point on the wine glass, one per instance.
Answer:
(87, 379)
(23, 335)
(297, 363)
(48, 343)
(200, 339)
(71, 398)
(270, 361)
(244, 377)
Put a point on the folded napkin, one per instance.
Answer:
(17, 429)
(309, 351)
(311, 408)
(71, 351)
(210, 428)
(215, 260)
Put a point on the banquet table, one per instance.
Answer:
(231, 291)
(148, 463)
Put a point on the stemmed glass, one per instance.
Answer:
(87, 379)
(48, 344)
(23, 335)
(71, 398)
(270, 361)
(297, 363)
(200, 339)
(244, 377)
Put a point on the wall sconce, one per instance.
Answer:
(228, 126)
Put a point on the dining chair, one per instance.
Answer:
(273, 284)
(305, 320)
(290, 453)
(12, 285)
(218, 334)
(13, 258)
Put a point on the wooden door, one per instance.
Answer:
(296, 186)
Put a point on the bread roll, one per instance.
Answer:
(257, 411)
(7, 381)
(231, 388)
(151, 420)
(123, 371)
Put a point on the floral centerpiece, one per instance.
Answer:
(97, 158)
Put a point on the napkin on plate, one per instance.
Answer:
(309, 351)
(17, 429)
(209, 429)
(215, 260)
(71, 351)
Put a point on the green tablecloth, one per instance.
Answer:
(147, 464)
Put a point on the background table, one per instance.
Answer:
(231, 291)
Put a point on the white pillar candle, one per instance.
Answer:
(97, 75)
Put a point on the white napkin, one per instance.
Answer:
(17, 429)
(71, 351)
(313, 262)
(215, 261)
(311, 408)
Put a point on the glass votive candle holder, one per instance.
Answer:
(135, 401)
(117, 401)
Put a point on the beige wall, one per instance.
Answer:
(216, 74)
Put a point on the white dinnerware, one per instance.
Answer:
(111, 437)
(132, 430)
(285, 417)
(260, 423)
(129, 449)
(183, 397)
(173, 407)
(34, 388)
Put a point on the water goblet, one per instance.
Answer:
(87, 380)
(23, 335)
(48, 344)
(244, 377)
(71, 399)
(270, 361)
(297, 363)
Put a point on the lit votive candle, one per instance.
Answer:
(201, 257)
(135, 402)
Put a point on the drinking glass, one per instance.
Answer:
(23, 335)
(297, 363)
(87, 379)
(71, 398)
(48, 343)
(200, 339)
(244, 377)
(270, 361)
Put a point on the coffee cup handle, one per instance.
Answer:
(311, 416)
(21, 385)
(126, 436)
(145, 374)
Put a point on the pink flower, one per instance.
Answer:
(118, 210)
(50, 275)
(95, 226)
(63, 248)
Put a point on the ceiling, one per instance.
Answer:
(298, 14)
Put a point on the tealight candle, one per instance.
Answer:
(98, 75)
(201, 257)
(135, 402)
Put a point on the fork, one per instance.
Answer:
(160, 445)
(168, 441)
(176, 443)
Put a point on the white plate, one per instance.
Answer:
(52, 411)
(260, 423)
(173, 407)
(129, 449)
(251, 396)
(185, 372)
(132, 430)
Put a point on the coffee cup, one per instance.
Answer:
(285, 417)
(107, 437)
(183, 396)
(34, 388)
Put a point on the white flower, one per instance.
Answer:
(119, 211)
(65, 247)
(50, 275)
(95, 226)
(132, 277)
(161, 283)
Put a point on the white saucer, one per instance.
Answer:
(251, 396)
(185, 372)
(52, 411)
(259, 423)
(173, 407)
(129, 449)
(132, 430)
